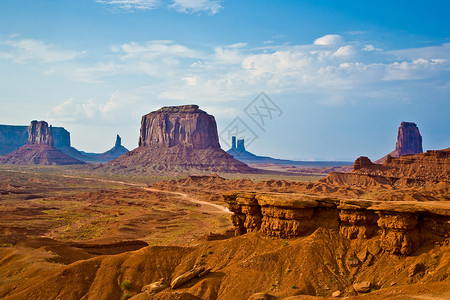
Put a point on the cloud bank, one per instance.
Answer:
(334, 70)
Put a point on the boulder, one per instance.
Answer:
(362, 287)
(336, 294)
(186, 277)
(156, 286)
(261, 296)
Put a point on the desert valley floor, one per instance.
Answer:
(69, 234)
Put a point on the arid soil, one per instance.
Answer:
(68, 235)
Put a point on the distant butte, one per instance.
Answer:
(409, 141)
(39, 149)
(178, 139)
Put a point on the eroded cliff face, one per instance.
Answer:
(39, 133)
(185, 125)
(13, 137)
(431, 165)
(39, 149)
(400, 226)
(178, 140)
(409, 140)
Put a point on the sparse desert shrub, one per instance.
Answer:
(125, 285)
(126, 296)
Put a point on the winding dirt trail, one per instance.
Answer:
(190, 199)
(216, 207)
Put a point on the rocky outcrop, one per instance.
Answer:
(185, 125)
(113, 153)
(39, 133)
(39, 149)
(14, 137)
(431, 165)
(179, 139)
(397, 224)
(239, 152)
(186, 277)
(409, 141)
(362, 162)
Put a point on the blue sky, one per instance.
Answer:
(344, 73)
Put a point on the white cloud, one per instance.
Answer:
(131, 5)
(73, 110)
(433, 52)
(185, 6)
(329, 40)
(330, 68)
(416, 70)
(195, 6)
(371, 48)
(27, 50)
(344, 52)
(154, 49)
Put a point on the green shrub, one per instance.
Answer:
(125, 285)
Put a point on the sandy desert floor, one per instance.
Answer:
(95, 231)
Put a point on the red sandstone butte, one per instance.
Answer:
(178, 139)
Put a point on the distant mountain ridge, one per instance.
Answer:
(239, 152)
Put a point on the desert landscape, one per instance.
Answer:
(224, 150)
(142, 226)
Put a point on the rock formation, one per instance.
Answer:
(39, 133)
(178, 139)
(362, 162)
(13, 137)
(39, 149)
(292, 215)
(239, 152)
(402, 220)
(185, 125)
(409, 141)
(113, 153)
(431, 165)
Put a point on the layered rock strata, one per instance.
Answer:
(39, 149)
(409, 141)
(39, 133)
(185, 125)
(178, 139)
(13, 137)
(431, 165)
(397, 224)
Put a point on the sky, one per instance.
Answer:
(304, 80)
